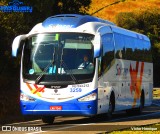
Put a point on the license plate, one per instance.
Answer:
(55, 107)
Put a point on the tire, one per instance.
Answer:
(111, 106)
(48, 119)
(140, 109)
(136, 111)
(110, 109)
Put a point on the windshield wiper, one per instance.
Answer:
(70, 71)
(43, 72)
(45, 69)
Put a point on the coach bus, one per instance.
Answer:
(119, 74)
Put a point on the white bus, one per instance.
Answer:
(55, 82)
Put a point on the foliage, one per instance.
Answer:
(145, 22)
(111, 11)
(127, 20)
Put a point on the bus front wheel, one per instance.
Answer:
(111, 106)
(48, 119)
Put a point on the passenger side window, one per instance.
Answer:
(108, 51)
(130, 48)
(119, 46)
(147, 52)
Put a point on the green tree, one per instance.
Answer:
(127, 20)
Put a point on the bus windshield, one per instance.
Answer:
(57, 57)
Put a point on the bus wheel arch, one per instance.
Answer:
(139, 109)
(111, 105)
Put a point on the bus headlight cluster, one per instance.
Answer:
(24, 97)
(89, 97)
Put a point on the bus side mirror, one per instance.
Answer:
(16, 44)
(97, 45)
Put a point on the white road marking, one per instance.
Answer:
(23, 122)
(74, 125)
(38, 132)
(136, 116)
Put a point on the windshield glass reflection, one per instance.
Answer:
(61, 54)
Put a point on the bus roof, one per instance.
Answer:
(72, 20)
(126, 32)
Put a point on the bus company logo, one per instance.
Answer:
(55, 90)
(55, 87)
(16, 6)
(121, 71)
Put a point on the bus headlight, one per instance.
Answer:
(24, 97)
(89, 97)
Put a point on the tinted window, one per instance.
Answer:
(108, 50)
(139, 51)
(119, 46)
(147, 52)
(129, 47)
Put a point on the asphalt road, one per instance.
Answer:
(98, 124)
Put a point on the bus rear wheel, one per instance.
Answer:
(48, 119)
(140, 108)
(137, 111)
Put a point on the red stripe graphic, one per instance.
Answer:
(38, 89)
(29, 87)
(136, 82)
